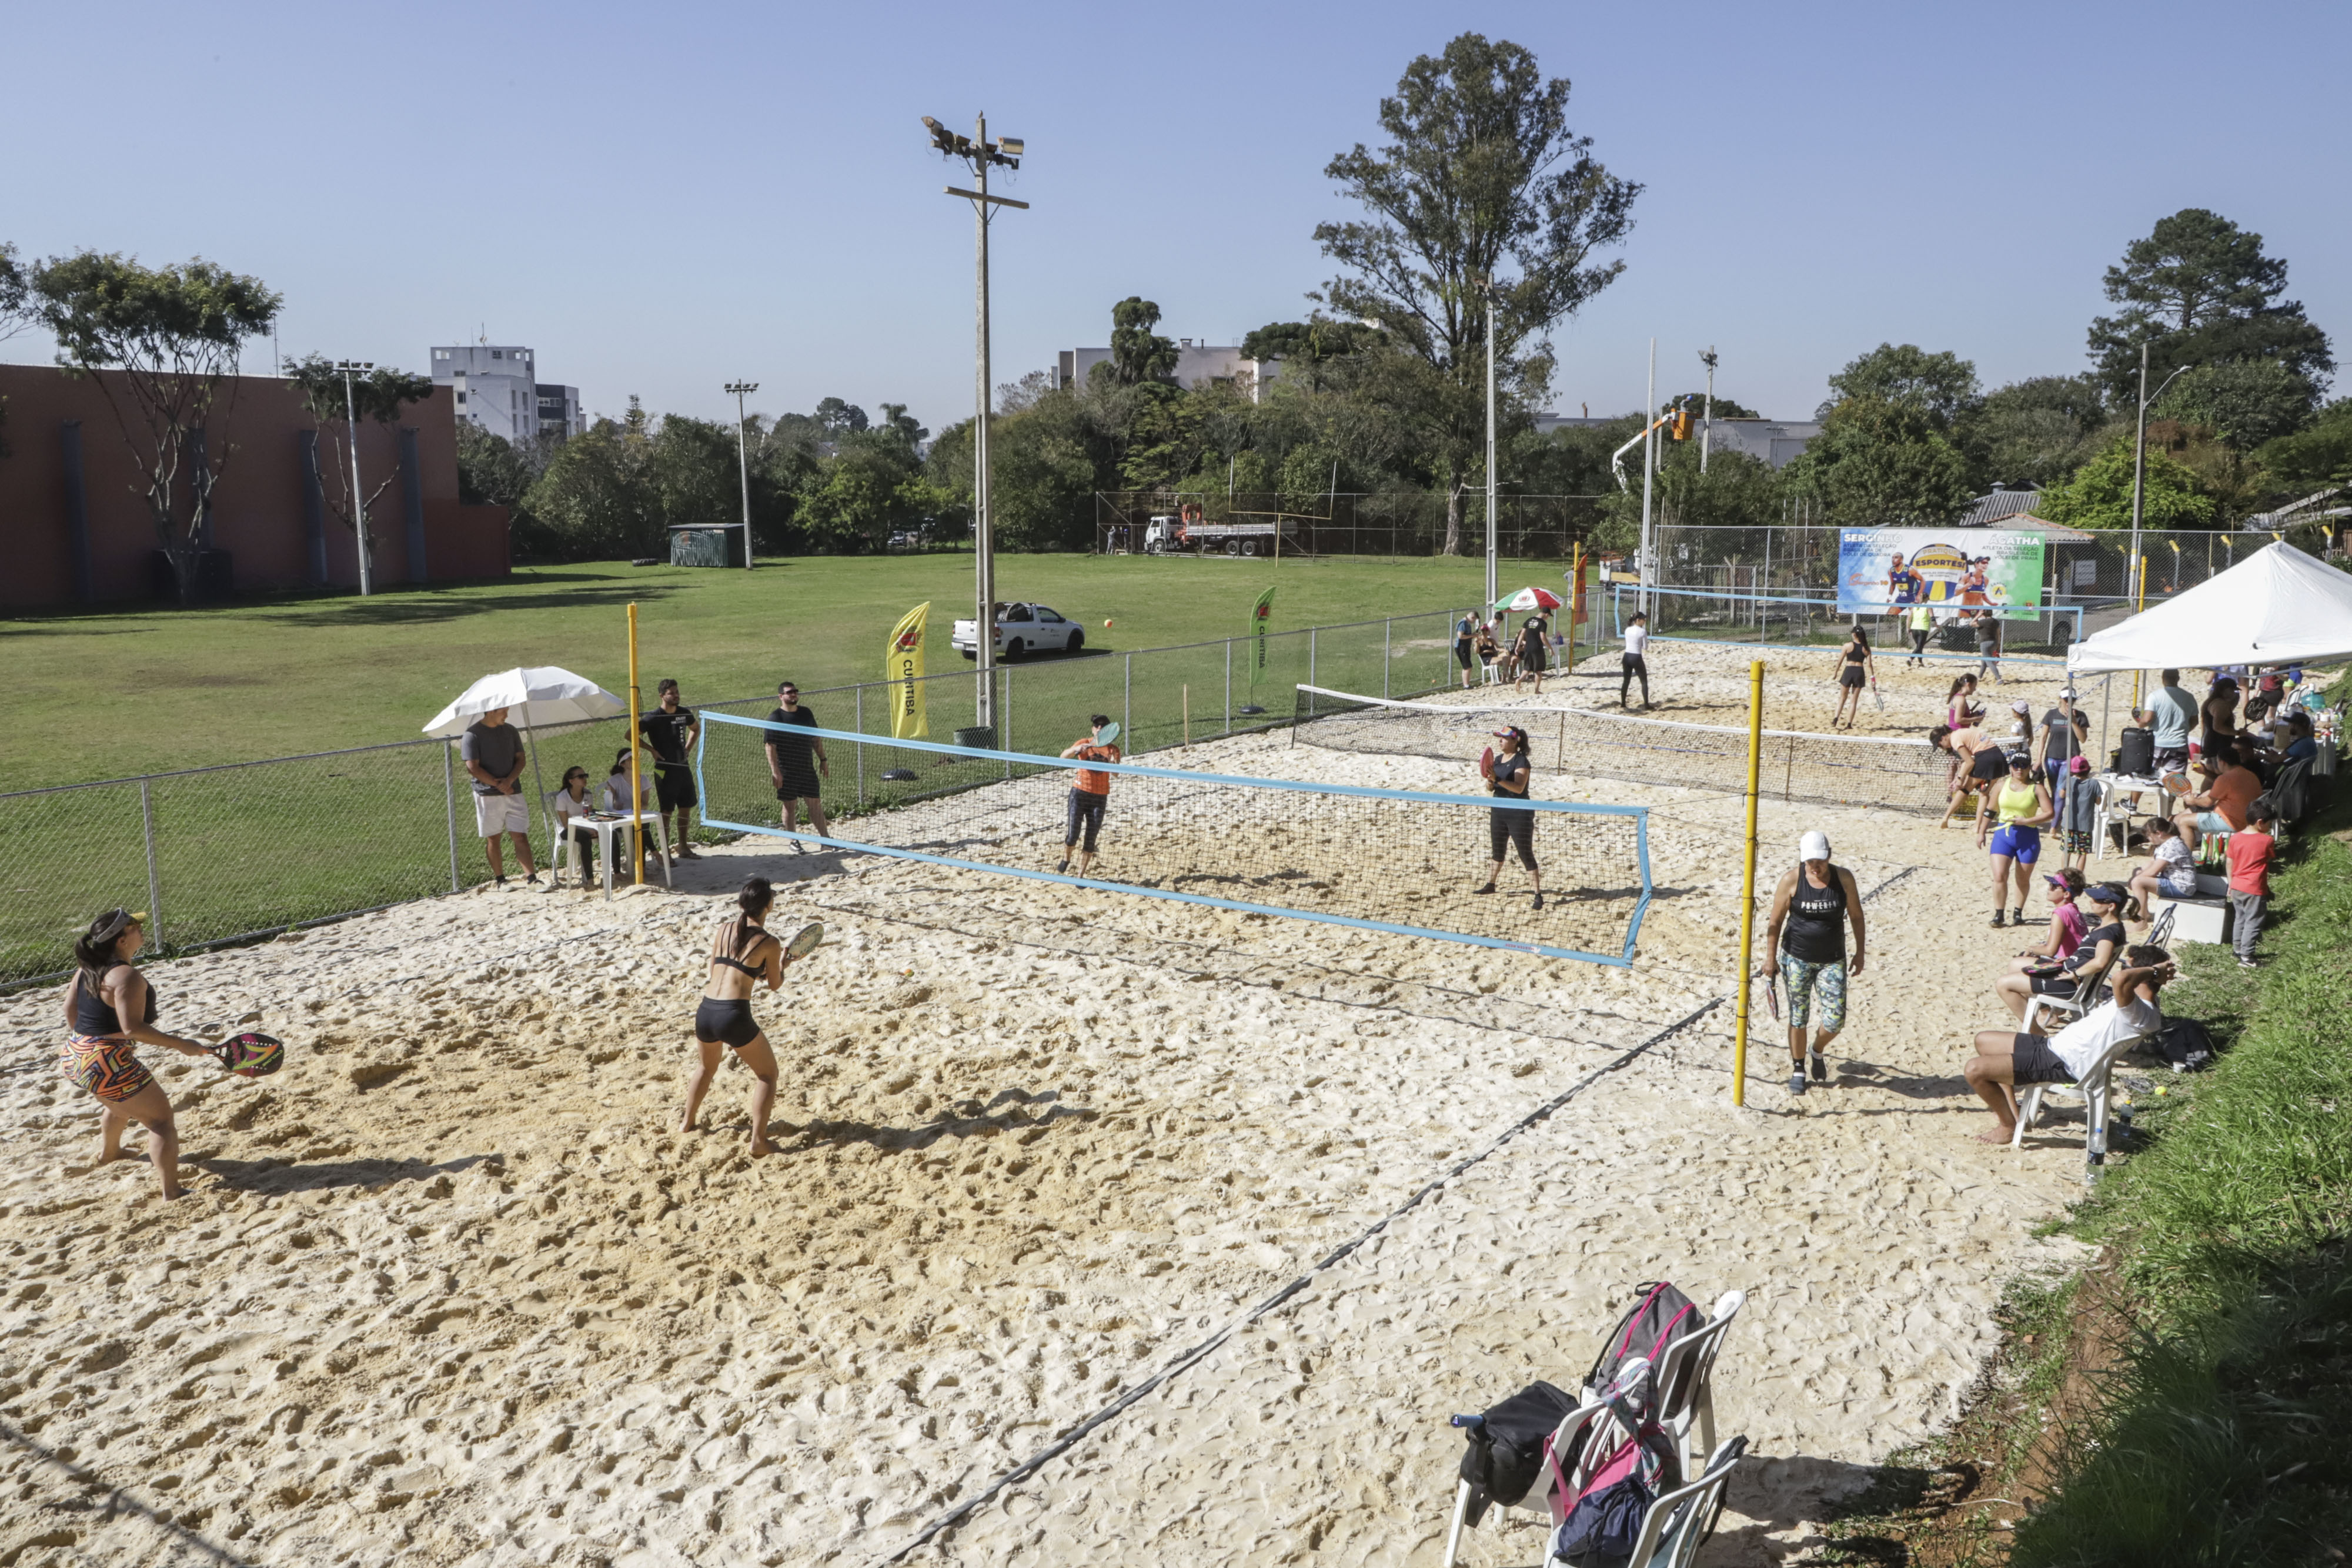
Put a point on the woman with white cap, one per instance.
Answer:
(1814, 903)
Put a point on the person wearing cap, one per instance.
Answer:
(2089, 955)
(2066, 925)
(2011, 816)
(1805, 937)
(1532, 650)
(2060, 738)
(2020, 725)
(2005, 1060)
(1506, 771)
(2077, 799)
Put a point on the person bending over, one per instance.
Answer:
(2005, 1060)
(743, 953)
(1814, 903)
(1978, 764)
(109, 1006)
(1089, 794)
(1506, 776)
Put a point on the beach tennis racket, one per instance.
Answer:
(250, 1055)
(1875, 697)
(1486, 763)
(1772, 996)
(1108, 735)
(804, 941)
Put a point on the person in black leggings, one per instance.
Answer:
(743, 953)
(1507, 779)
(1635, 661)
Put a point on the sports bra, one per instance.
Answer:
(1856, 656)
(756, 971)
(93, 1014)
(2015, 804)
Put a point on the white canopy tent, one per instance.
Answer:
(2278, 606)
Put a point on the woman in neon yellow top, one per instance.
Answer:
(2020, 803)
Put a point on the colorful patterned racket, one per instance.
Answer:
(250, 1055)
(804, 942)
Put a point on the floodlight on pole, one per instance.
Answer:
(2139, 442)
(1707, 423)
(1649, 468)
(743, 462)
(978, 153)
(1485, 282)
(349, 368)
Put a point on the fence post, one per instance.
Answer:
(1004, 706)
(1310, 656)
(1127, 705)
(154, 883)
(858, 699)
(1229, 686)
(1386, 626)
(449, 788)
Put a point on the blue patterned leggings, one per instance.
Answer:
(1807, 979)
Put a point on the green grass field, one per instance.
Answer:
(115, 693)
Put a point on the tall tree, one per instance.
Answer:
(1137, 354)
(2100, 494)
(1482, 177)
(2033, 433)
(378, 395)
(175, 332)
(1941, 385)
(1880, 461)
(2198, 290)
(16, 311)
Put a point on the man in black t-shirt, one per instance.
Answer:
(2060, 739)
(670, 732)
(794, 761)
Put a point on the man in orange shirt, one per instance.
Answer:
(1088, 795)
(2224, 805)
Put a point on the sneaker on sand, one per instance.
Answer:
(1797, 1082)
(1818, 1068)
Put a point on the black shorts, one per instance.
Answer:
(1531, 659)
(2061, 984)
(1991, 765)
(799, 778)
(1506, 826)
(1851, 676)
(733, 1022)
(2034, 1061)
(1463, 656)
(674, 786)
(1087, 811)
(1918, 638)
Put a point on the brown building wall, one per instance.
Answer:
(260, 512)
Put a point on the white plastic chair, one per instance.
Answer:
(2092, 1089)
(2065, 1009)
(1600, 1436)
(1679, 1523)
(1685, 1379)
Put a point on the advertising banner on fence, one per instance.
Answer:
(1260, 613)
(903, 668)
(1951, 570)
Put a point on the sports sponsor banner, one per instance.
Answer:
(903, 668)
(1949, 569)
(1260, 613)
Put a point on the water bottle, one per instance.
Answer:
(2123, 1124)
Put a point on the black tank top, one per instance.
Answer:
(1815, 929)
(1855, 655)
(93, 1014)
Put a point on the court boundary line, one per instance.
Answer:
(1424, 706)
(1186, 1360)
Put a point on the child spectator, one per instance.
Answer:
(2250, 853)
(2173, 872)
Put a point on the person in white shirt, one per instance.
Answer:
(573, 800)
(1637, 644)
(2005, 1060)
(612, 795)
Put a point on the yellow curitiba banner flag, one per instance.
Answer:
(903, 668)
(1260, 614)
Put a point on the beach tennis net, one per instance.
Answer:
(1900, 774)
(1387, 861)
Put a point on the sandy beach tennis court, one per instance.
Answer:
(449, 1290)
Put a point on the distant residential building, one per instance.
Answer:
(2002, 504)
(1195, 363)
(1773, 441)
(497, 387)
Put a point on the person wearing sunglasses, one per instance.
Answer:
(794, 761)
(573, 800)
(109, 1007)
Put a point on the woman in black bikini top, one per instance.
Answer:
(743, 953)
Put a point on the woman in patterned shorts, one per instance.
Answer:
(108, 1007)
(1811, 910)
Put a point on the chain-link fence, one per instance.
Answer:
(1399, 523)
(228, 854)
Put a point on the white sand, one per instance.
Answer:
(450, 1290)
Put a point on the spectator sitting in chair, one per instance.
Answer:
(2171, 872)
(2300, 745)
(2032, 977)
(2066, 926)
(2005, 1060)
(612, 795)
(2220, 805)
(570, 801)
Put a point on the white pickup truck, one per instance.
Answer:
(1023, 629)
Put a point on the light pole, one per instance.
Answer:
(1494, 541)
(1649, 466)
(359, 502)
(977, 152)
(743, 462)
(2140, 446)
(1706, 425)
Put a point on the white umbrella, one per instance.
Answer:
(544, 696)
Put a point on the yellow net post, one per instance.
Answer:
(637, 791)
(1748, 881)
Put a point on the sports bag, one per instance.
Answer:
(1599, 1528)
(1506, 1445)
(2186, 1044)
(1659, 1316)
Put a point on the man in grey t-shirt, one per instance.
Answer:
(2171, 713)
(493, 753)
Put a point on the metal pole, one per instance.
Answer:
(1310, 656)
(1229, 686)
(1127, 705)
(1649, 466)
(743, 464)
(154, 881)
(1748, 881)
(984, 534)
(1385, 655)
(449, 788)
(1005, 740)
(2139, 452)
(2106, 702)
(857, 693)
(1707, 427)
(636, 790)
(359, 502)
(1494, 588)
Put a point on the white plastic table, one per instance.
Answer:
(608, 828)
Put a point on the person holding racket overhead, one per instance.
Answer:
(743, 953)
(1507, 773)
(1090, 791)
(109, 1006)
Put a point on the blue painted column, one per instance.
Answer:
(412, 489)
(76, 511)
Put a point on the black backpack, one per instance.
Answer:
(2186, 1044)
(1506, 1445)
(1660, 1315)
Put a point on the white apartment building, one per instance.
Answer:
(497, 388)
(1195, 363)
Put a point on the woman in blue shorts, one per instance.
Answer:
(2011, 816)
(1814, 903)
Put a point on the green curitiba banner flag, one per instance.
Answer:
(1260, 613)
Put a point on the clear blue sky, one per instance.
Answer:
(661, 198)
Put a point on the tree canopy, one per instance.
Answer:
(1882, 460)
(2100, 494)
(2199, 290)
(1943, 386)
